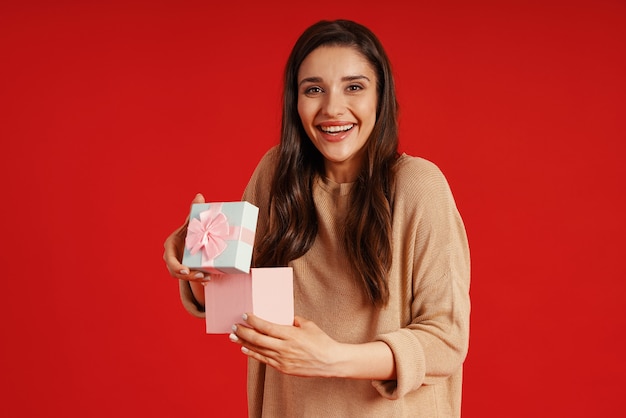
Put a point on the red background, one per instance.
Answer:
(113, 116)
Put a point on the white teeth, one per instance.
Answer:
(334, 129)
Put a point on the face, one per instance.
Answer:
(337, 101)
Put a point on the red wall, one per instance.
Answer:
(113, 116)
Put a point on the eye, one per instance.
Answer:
(313, 90)
(354, 87)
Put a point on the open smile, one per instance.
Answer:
(335, 129)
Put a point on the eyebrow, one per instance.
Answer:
(346, 78)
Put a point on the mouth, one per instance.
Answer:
(336, 129)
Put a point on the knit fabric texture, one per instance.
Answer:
(425, 323)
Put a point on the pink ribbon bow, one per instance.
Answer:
(209, 233)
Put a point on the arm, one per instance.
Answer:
(432, 346)
(305, 350)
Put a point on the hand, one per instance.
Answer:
(173, 253)
(301, 350)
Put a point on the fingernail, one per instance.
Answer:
(199, 276)
(234, 328)
(184, 271)
(245, 317)
(244, 350)
(233, 338)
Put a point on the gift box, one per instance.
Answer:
(266, 292)
(220, 237)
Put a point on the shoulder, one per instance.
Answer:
(418, 175)
(266, 166)
(269, 160)
(423, 194)
(259, 185)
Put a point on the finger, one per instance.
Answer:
(262, 354)
(270, 328)
(176, 268)
(173, 263)
(255, 340)
(266, 327)
(193, 275)
(261, 358)
(198, 199)
(259, 324)
(299, 321)
(180, 271)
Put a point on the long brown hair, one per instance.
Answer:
(293, 218)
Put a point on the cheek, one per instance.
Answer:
(368, 113)
(366, 109)
(373, 111)
(304, 120)
(303, 113)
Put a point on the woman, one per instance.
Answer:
(377, 246)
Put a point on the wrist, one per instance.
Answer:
(340, 361)
(373, 360)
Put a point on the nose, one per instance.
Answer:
(334, 105)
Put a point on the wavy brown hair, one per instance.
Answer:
(293, 218)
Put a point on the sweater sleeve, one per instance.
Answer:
(435, 266)
(190, 303)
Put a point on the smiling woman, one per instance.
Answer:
(378, 249)
(337, 105)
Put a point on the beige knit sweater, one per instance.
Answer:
(426, 322)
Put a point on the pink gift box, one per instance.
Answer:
(265, 292)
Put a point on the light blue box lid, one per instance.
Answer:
(237, 256)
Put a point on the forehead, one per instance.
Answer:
(327, 62)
